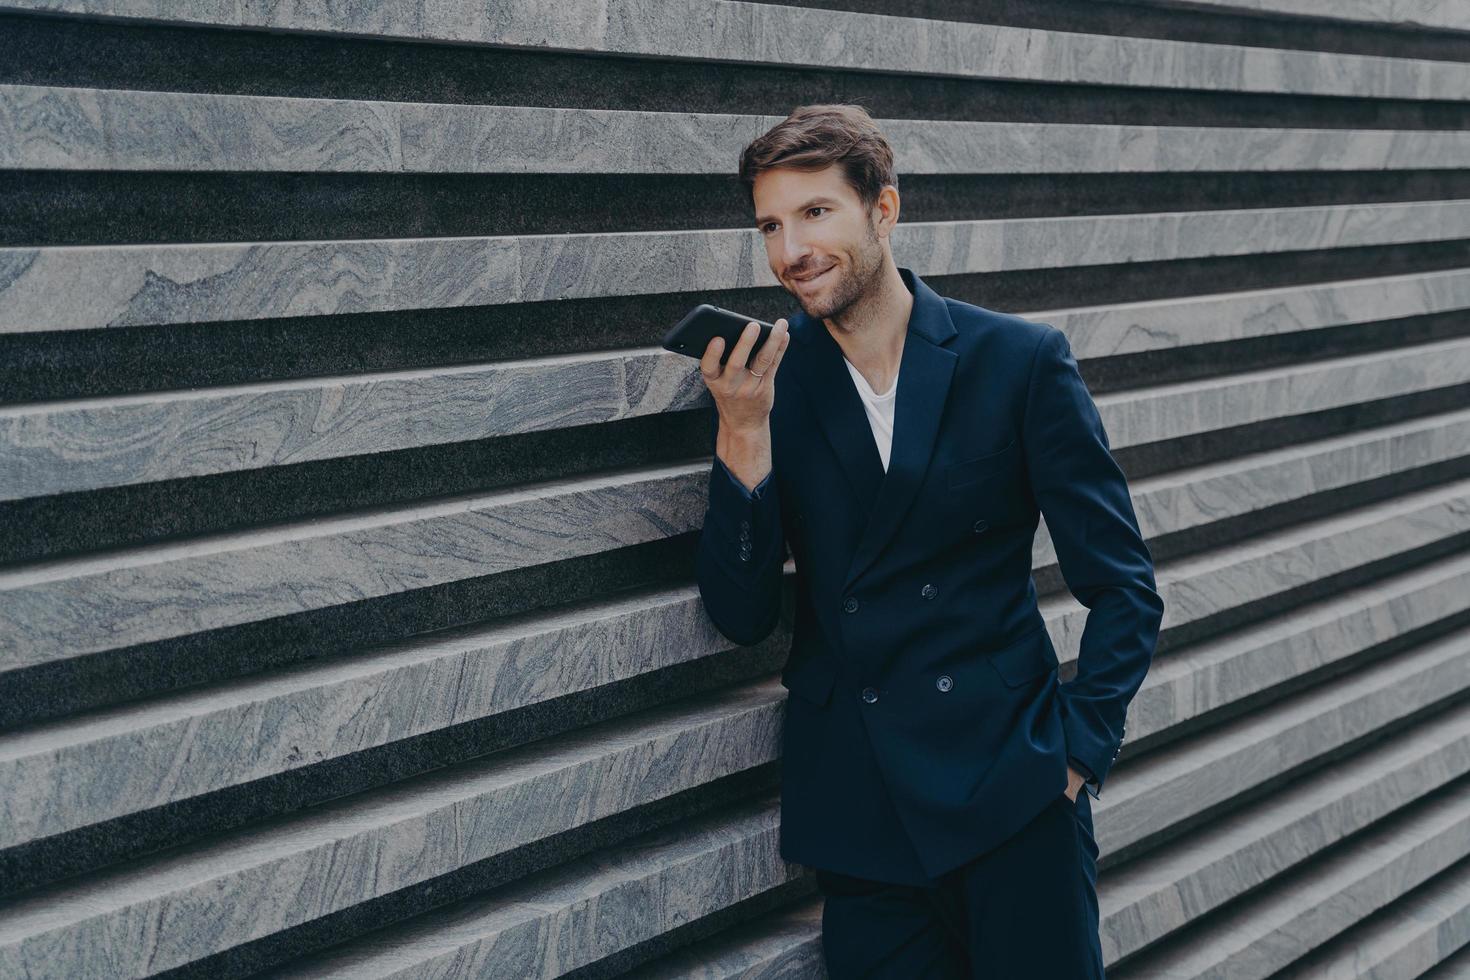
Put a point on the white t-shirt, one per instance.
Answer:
(879, 409)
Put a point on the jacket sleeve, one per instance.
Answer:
(740, 554)
(1101, 553)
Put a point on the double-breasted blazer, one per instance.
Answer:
(926, 719)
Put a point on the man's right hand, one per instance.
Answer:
(743, 397)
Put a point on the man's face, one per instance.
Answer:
(815, 224)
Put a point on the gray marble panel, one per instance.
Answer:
(1450, 15)
(1131, 328)
(227, 883)
(559, 921)
(169, 911)
(1162, 892)
(58, 447)
(1238, 576)
(1401, 942)
(53, 447)
(68, 608)
(84, 287)
(74, 772)
(785, 944)
(757, 33)
(55, 128)
(104, 129)
(1198, 496)
(1240, 896)
(67, 774)
(1188, 684)
(1192, 776)
(820, 38)
(1266, 931)
(1190, 408)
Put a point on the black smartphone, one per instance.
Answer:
(702, 324)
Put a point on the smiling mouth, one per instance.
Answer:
(817, 276)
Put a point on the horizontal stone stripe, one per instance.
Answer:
(52, 448)
(1241, 575)
(1195, 774)
(69, 608)
(67, 446)
(65, 775)
(785, 944)
(559, 921)
(85, 287)
(1196, 497)
(184, 910)
(1187, 685)
(1401, 941)
(1113, 329)
(56, 128)
(1274, 926)
(1160, 894)
(269, 878)
(68, 774)
(49, 910)
(1192, 408)
(1181, 882)
(1436, 15)
(756, 33)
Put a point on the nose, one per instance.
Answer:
(794, 251)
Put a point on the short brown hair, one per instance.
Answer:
(813, 138)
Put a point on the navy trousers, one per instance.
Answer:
(1024, 910)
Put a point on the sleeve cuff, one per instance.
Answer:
(760, 488)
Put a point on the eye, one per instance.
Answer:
(767, 226)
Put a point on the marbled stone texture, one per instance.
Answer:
(158, 284)
(829, 39)
(46, 128)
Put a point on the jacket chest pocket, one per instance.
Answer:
(989, 490)
(987, 467)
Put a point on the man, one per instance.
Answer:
(931, 760)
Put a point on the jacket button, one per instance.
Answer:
(981, 525)
(849, 604)
(928, 592)
(944, 683)
(869, 695)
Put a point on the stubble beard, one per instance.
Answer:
(852, 287)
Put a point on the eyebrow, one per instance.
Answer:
(809, 204)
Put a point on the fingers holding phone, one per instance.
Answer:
(744, 393)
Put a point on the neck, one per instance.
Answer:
(871, 332)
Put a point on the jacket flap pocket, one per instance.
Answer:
(810, 678)
(968, 471)
(1026, 659)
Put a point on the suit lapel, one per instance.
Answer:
(834, 401)
(924, 377)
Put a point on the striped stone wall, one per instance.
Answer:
(348, 625)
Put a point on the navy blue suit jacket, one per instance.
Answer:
(926, 721)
